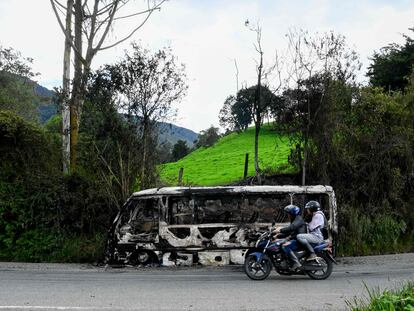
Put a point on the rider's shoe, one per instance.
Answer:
(312, 256)
(296, 266)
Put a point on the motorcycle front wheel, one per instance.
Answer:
(324, 273)
(257, 270)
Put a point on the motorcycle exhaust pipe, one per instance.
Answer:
(331, 257)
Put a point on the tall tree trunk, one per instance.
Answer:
(77, 94)
(305, 158)
(256, 153)
(66, 92)
(306, 143)
(258, 121)
(124, 173)
(144, 152)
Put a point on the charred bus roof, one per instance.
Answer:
(183, 191)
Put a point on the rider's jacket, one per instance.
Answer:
(296, 227)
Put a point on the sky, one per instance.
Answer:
(207, 36)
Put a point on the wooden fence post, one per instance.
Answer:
(180, 176)
(246, 166)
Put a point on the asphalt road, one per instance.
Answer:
(85, 287)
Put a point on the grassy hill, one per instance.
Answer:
(223, 163)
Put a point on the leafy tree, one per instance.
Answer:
(311, 110)
(13, 62)
(226, 118)
(377, 144)
(318, 62)
(370, 163)
(236, 114)
(29, 164)
(23, 146)
(45, 212)
(180, 150)
(108, 139)
(149, 84)
(208, 137)
(17, 90)
(237, 111)
(92, 21)
(392, 65)
(242, 111)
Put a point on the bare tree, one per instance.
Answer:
(260, 108)
(318, 58)
(93, 20)
(237, 75)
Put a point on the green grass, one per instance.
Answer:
(395, 300)
(223, 163)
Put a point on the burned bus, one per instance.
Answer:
(205, 225)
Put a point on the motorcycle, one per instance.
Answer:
(259, 260)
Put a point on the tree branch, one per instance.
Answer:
(89, 50)
(108, 8)
(135, 14)
(108, 26)
(237, 75)
(150, 11)
(66, 34)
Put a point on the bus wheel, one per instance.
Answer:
(143, 257)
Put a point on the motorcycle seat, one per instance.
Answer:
(320, 247)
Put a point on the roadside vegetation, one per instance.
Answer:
(394, 300)
(48, 215)
(326, 128)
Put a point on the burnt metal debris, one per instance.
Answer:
(204, 225)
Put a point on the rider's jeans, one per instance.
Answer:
(306, 238)
(289, 246)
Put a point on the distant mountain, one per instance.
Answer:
(171, 133)
(47, 107)
(44, 92)
(168, 132)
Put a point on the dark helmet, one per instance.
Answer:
(292, 210)
(313, 206)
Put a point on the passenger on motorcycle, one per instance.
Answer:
(315, 227)
(297, 226)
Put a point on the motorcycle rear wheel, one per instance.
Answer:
(326, 272)
(255, 270)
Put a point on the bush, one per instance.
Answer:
(396, 300)
(45, 215)
(371, 233)
(81, 248)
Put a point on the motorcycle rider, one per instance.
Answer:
(297, 226)
(315, 235)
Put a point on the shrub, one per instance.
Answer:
(393, 300)
(370, 233)
(44, 215)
